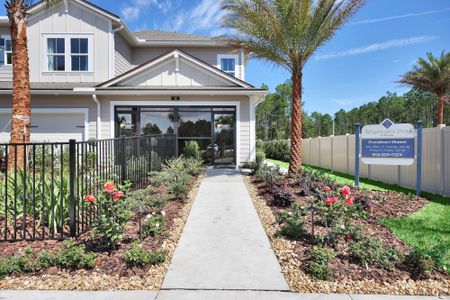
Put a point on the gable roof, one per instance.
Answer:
(41, 5)
(135, 72)
(159, 35)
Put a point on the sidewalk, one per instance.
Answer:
(223, 245)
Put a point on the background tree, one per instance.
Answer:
(21, 97)
(432, 76)
(287, 33)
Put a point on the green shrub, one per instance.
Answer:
(69, 256)
(419, 263)
(260, 157)
(250, 165)
(154, 225)
(136, 256)
(370, 251)
(292, 223)
(193, 166)
(15, 264)
(277, 149)
(192, 150)
(319, 258)
(268, 174)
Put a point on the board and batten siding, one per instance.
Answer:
(122, 55)
(244, 129)
(77, 20)
(206, 54)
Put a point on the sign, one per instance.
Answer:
(388, 144)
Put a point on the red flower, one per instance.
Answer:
(345, 191)
(90, 198)
(349, 238)
(118, 196)
(109, 187)
(349, 201)
(331, 200)
(326, 188)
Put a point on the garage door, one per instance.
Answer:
(49, 127)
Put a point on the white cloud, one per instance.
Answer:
(343, 102)
(130, 13)
(206, 16)
(390, 18)
(377, 47)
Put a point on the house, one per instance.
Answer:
(91, 77)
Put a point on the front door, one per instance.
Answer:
(224, 138)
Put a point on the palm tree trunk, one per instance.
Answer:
(295, 162)
(21, 98)
(440, 110)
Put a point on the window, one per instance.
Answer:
(227, 63)
(79, 54)
(68, 54)
(5, 51)
(56, 54)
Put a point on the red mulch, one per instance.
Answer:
(382, 205)
(108, 262)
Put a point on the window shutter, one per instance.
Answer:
(2, 52)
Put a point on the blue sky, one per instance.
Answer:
(361, 63)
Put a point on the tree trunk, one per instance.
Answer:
(440, 110)
(295, 163)
(21, 98)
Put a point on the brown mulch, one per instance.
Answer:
(111, 271)
(348, 276)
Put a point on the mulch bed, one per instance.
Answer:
(111, 272)
(347, 273)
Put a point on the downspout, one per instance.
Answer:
(99, 120)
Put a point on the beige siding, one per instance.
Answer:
(122, 56)
(206, 54)
(47, 101)
(244, 153)
(77, 21)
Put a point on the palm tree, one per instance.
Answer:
(21, 97)
(432, 76)
(287, 33)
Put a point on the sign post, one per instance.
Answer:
(419, 158)
(357, 130)
(388, 143)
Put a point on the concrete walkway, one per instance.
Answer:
(223, 245)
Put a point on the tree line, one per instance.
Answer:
(273, 114)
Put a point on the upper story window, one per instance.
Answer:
(228, 63)
(5, 51)
(68, 53)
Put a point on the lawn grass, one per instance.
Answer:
(427, 230)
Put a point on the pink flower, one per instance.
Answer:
(326, 188)
(109, 187)
(349, 201)
(345, 191)
(331, 200)
(118, 196)
(90, 198)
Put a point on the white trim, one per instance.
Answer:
(253, 102)
(84, 111)
(67, 51)
(237, 104)
(242, 65)
(173, 53)
(236, 63)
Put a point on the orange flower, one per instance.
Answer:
(109, 187)
(349, 201)
(90, 198)
(331, 200)
(345, 191)
(118, 196)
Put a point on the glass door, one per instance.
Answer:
(224, 138)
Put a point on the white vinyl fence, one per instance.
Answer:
(337, 153)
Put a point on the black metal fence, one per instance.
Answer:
(42, 185)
